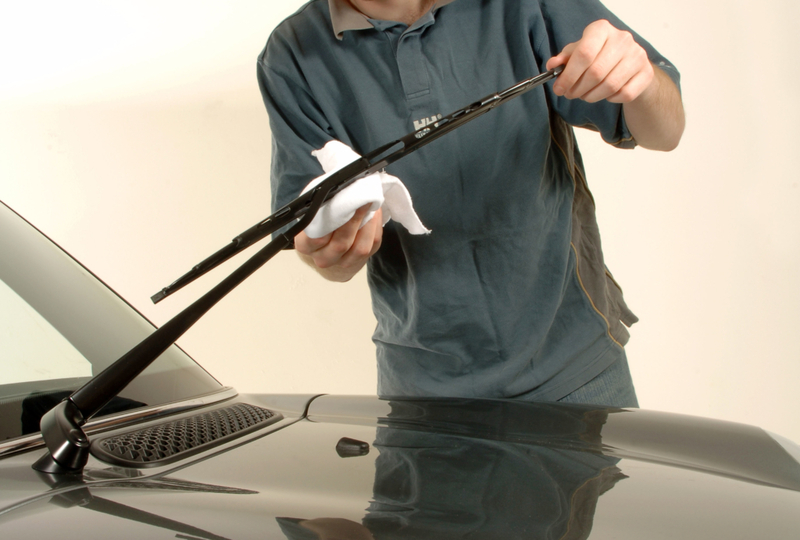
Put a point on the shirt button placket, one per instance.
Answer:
(412, 65)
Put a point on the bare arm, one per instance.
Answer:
(656, 117)
(606, 63)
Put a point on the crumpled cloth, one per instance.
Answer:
(379, 190)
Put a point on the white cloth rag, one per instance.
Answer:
(380, 190)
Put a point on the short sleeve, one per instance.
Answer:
(563, 22)
(297, 124)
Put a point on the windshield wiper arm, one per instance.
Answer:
(62, 431)
(366, 165)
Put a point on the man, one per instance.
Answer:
(509, 297)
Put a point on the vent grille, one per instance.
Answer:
(170, 441)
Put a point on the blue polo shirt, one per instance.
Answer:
(509, 296)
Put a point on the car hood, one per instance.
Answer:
(362, 467)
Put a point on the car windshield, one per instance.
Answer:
(33, 350)
(60, 325)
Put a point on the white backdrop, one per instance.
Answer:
(133, 134)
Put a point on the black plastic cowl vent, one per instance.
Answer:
(171, 441)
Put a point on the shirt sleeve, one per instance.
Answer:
(297, 124)
(562, 22)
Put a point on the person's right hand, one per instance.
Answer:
(339, 255)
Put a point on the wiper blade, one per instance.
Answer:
(61, 427)
(366, 165)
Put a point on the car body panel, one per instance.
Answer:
(362, 467)
(435, 469)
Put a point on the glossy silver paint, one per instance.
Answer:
(435, 469)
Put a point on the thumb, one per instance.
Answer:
(561, 58)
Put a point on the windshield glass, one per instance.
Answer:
(60, 325)
(32, 349)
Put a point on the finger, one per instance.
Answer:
(581, 55)
(602, 81)
(365, 244)
(306, 245)
(561, 58)
(562, 82)
(628, 78)
(634, 88)
(377, 238)
(378, 230)
(593, 80)
(341, 240)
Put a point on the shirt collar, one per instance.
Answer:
(345, 17)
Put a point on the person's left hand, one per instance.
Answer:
(606, 63)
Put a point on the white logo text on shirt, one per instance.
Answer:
(419, 124)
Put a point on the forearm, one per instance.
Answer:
(608, 64)
(656, 117)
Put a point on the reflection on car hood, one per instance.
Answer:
(436, 469)
(713, 446)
